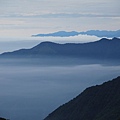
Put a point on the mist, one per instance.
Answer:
(31, 91)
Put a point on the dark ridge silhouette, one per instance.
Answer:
(102, 49)
(98, 33)
(3, 118)
(100, 102)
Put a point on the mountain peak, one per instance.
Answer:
(115, 38)
(44, 44)
(107, 40)
(47, 43)
(104, 39)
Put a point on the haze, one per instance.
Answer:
(32, 89)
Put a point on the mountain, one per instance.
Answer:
(103, 33)
(102, 49)
(58, 34)
(2, 118)
(100, 102)
(98, 33)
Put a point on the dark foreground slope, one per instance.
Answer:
(101, 102)
(102, 49)
(2, 118)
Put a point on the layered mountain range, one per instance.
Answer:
(102, 49)
(98, 33)
(100, 102)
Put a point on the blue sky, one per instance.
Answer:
(27, 17)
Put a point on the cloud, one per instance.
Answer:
(29, 17)
(67, 15)
(25, 26)
(71, 39)
(59, 8)
(15, 43)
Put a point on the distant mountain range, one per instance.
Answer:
(58, 34)
(102, 49)
(98, 33)
(100, 102)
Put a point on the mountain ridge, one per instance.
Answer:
(58, 34)
(102, 49)
(100, 102)
(98, 33)
(3, 118)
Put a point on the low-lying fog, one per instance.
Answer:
(31, 91)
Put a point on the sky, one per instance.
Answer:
(20, 19)
(23, 18)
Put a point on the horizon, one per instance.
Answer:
(26, 18)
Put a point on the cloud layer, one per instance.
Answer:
(27, 17)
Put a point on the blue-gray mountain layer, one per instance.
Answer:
(98, 33)
(102, 49)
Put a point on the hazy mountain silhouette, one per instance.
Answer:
(103, 33)
(100, 102)
(102, 49)
(98, 33)
(58, 34)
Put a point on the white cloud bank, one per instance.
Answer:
(10, 44)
